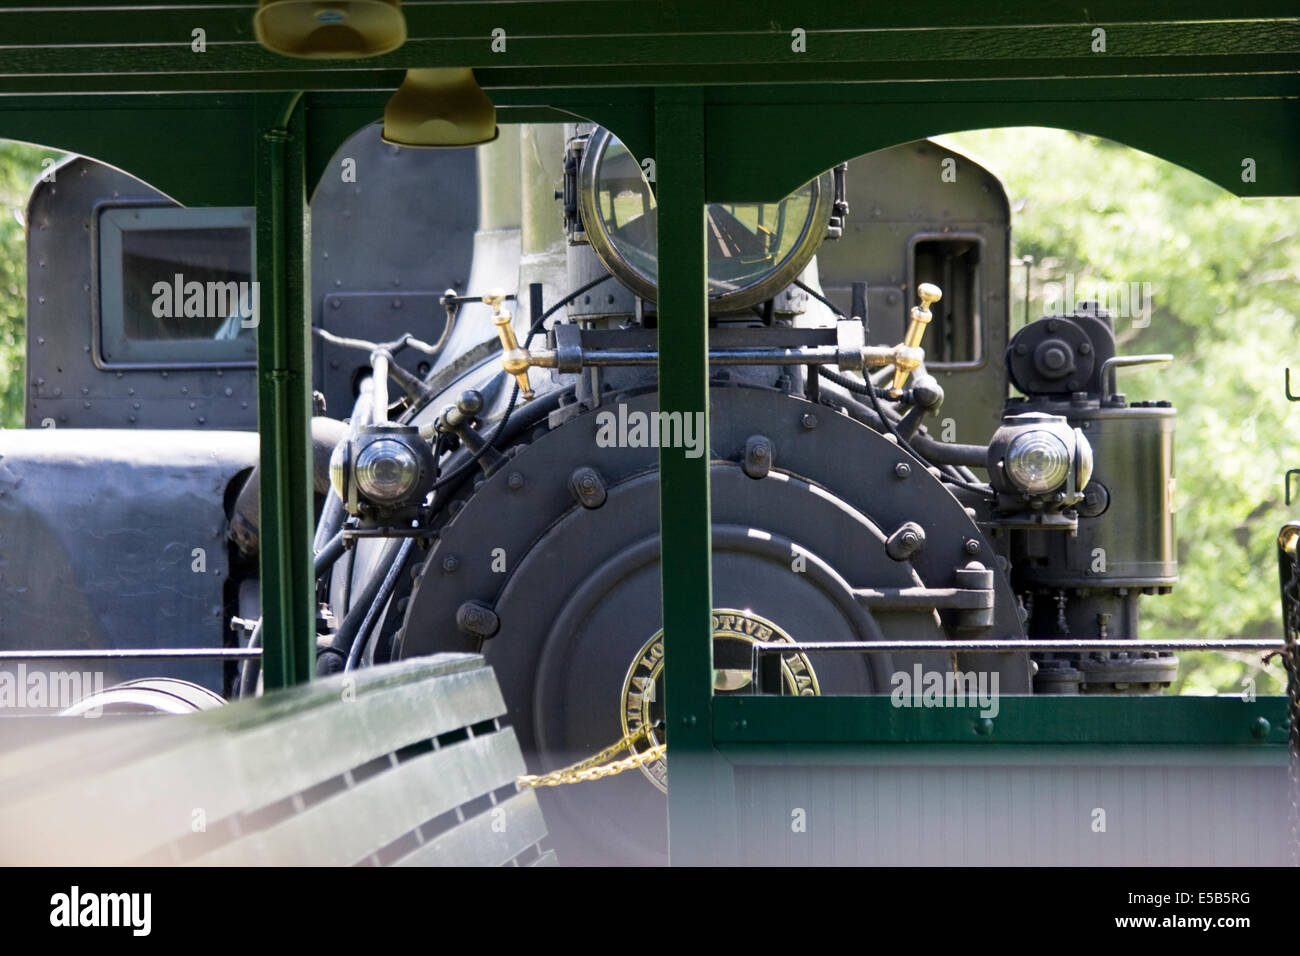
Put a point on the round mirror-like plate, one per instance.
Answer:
(754, 249)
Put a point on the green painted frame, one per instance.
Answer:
(704, 75)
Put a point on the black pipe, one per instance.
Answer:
(385, 592)
(334, 657)
(327, 555)
(950, 452)
(245, 522)
(248, 674)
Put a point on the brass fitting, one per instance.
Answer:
(514, 357)
(909, 360)
(1288, 537)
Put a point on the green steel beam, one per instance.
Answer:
(1004, 80)
(711, 40)
(769, 83)
(193, 148)
(740, 14)
(860, 722)
(697, 776)
(284, 394)
(1208, 137)
(91, 21)
(993, 754)
(707, 58)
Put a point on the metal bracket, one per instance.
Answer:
(568, 195)
(352, 534)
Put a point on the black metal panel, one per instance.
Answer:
(65, 388)
(98, 536)
(392, 229)
(576, 585)
(897, 197)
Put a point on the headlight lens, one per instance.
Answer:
(754, 249)
(387, 470)
(1038, 462)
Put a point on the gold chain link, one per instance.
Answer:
(595, 766)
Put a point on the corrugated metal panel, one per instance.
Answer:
(1016, 815)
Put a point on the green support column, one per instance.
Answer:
(284, 394)
(684, 514)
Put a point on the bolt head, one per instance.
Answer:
(450, 563)
(972, 546)
(902, 470)
(515, 481)
(808, 421)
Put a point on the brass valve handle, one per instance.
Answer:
(514, 358)
(929, 294)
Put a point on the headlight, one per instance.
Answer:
(386, 471)
(755, 249)
(383, 472)
(1038, 462)
(1041, 456)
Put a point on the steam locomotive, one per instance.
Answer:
(489, 434)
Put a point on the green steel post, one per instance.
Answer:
(684, 517)
(284, 394)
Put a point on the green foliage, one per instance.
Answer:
(20, 166)
(1225, 282)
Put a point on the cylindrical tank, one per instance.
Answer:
(1126, 520)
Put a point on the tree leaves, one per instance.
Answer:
(1225, 274)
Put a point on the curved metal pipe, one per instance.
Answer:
(385, 592)
(950, 452)
(248, 674)
(245, 522)
(350, 627)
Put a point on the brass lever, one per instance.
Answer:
(929, 294)
(514, 358)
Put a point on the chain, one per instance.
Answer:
(595, 767)
(1290, 655)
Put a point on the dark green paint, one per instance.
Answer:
(684, 514)
(1209, 137)
(284, 395)
(194, 149)
(1201, 721)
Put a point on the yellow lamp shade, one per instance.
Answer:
(330, 29)
(440, 108)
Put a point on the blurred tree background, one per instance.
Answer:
(1225, 288)
(20, 167)
(1224, 276)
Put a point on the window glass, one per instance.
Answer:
(176, 286)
